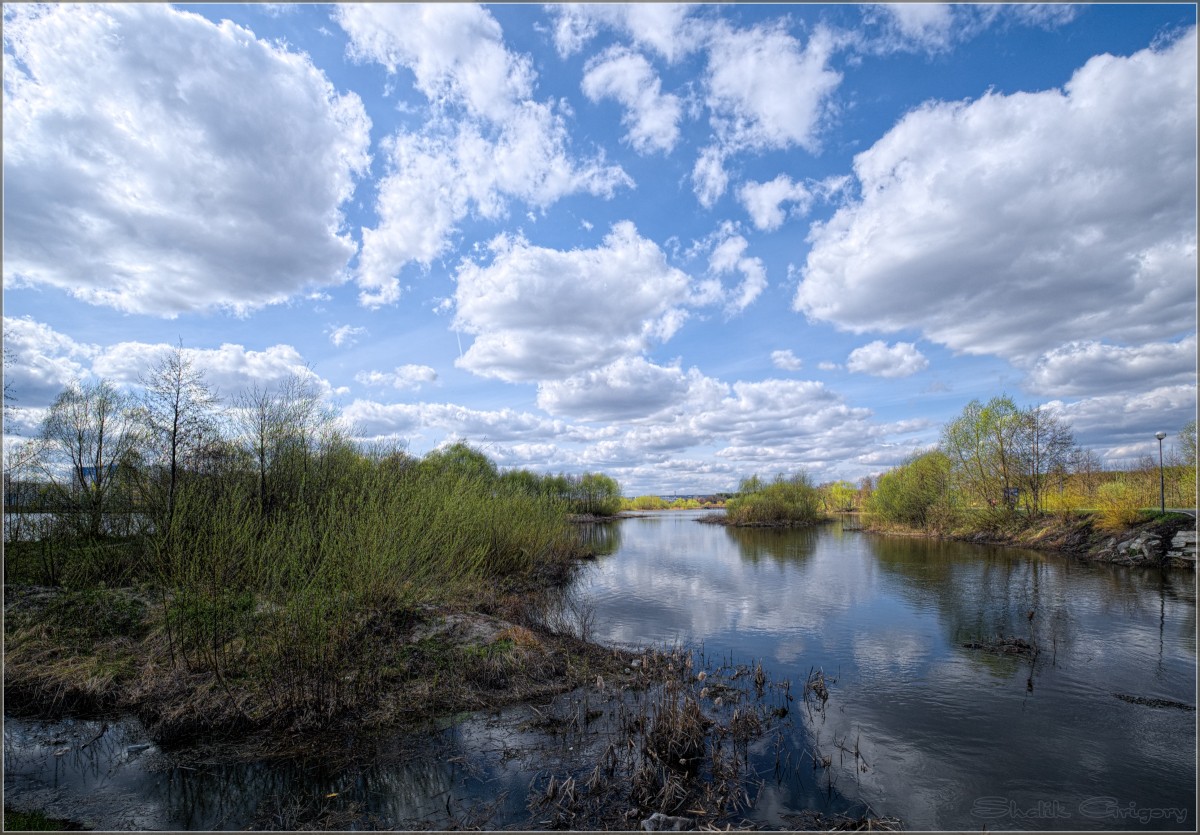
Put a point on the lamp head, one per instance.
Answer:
(1160, 435)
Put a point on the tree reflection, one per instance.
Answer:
(780, 545)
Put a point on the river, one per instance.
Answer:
(951, 737)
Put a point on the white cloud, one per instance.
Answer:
(928, 26)
(345, 335)
(882, 360)
(1003, 226)
(142, 173)
(544, 314)
(709, 178)
(786, 360)
(651, 117)
(666, 28)
(456, 51)
(935, 28)
(629, 389)
(374, 420)
(1124, 424)
(229, 369)
(728, 256)
(404, 377)
(44, 361)
(764, 201)
(1095, 368)
(487, 141)
(825, 365)
(767, 91)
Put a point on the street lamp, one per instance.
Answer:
(1162, 485)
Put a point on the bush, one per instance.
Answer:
(1118, 505)
(793, 501)
(916, 493)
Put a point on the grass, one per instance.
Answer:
(15, 821)
(294, 609)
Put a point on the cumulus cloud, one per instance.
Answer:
(631, 388)
(545, 314)
(1124, 424)
(786, 360)
(404, 377)
(728, 256)
(487, 141)
(345, 335)
(1003, 226)
(229, 369)
(666, 28)
(375, 420)
(1095, 368)
(935, 28)
(927, 26)
(142, 173)
(43, 361)
(709, 177)
(765, 201)
(766, 90)
(882, 360)
(651, 116)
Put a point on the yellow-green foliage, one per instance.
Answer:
(645, 503)
(1118, 504)
(784, 501)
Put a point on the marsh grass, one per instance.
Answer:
(290, 610)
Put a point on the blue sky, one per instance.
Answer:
(676, 244)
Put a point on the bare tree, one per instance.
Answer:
(1043, 446)
(281, 428)
(89, 431)
(178, 413)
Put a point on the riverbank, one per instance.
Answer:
(82, 653)
(1153, 542)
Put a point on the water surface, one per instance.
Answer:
(952, 738)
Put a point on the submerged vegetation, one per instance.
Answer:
(270, 569)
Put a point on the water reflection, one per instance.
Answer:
(600, 539)
(949, 734)
(756, 544)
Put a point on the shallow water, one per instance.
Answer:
(952, 738)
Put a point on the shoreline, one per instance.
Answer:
(1148, 544)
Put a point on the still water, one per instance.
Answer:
(953, 738)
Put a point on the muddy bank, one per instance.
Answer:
(85, 653)
(686, 744)
(1152, 544)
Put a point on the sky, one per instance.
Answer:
(677, 244)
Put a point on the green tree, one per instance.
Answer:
(983, 445)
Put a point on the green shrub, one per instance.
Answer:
(916, 493)
(1118, 505)
(784, 501)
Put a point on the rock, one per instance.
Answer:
(658, 822)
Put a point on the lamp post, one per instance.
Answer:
(1162, 484)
